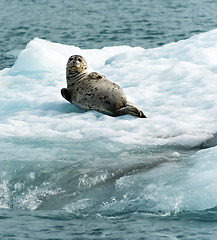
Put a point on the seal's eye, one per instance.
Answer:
(71, 58)
(79, 60)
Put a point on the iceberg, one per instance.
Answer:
(174, 85)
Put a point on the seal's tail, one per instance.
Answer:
(131, 110)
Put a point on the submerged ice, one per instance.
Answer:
(54, 155)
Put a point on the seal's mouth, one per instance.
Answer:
(75, 66)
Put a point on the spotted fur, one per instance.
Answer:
(93, 91)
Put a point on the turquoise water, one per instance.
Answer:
(95, 24)
(59, 188)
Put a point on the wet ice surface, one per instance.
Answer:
(57, 157)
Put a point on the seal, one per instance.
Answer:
(93, 91)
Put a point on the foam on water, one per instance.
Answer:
(108, 160)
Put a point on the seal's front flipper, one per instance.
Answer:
(65, 94)
(131, 110)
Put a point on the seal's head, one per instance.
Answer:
(76, 63)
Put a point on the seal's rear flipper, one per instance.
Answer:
(131, 110)
(66, 94)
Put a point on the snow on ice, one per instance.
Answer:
(174, 85)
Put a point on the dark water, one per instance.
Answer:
(139, 226)
(95, 24)
(72, 198)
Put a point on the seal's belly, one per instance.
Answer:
(98, 94)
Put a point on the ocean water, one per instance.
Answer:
(69, 174)
(96, 24)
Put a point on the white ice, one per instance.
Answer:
(174, 85)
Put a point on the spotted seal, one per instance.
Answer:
(93, 91)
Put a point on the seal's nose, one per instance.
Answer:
(76, 63)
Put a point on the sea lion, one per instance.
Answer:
(93, 91)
